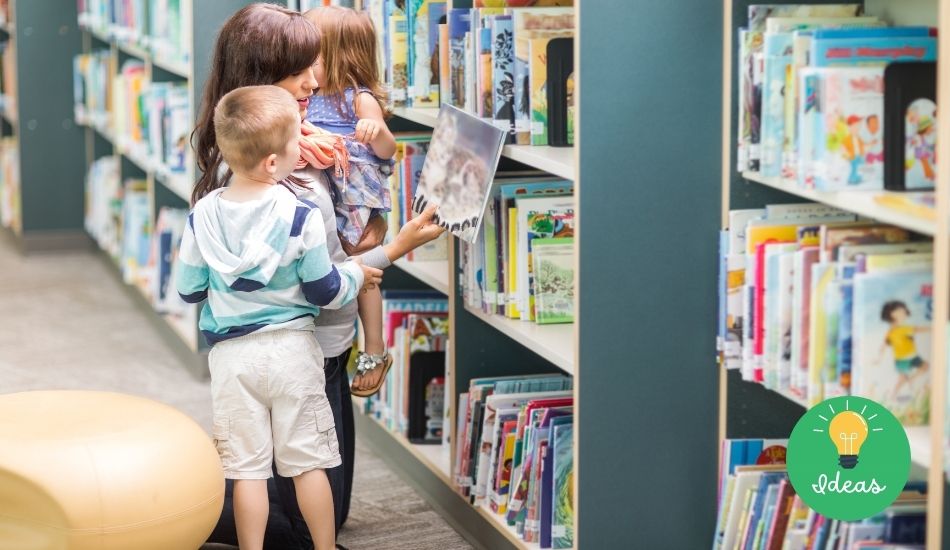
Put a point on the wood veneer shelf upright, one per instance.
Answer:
(748, 410)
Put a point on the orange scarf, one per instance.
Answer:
(321, 149)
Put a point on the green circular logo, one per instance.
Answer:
(848, 458)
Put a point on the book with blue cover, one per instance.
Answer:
(876, 51)
(562, 512)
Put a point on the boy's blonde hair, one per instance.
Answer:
(348, 48)
(254, 122)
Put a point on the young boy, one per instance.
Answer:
(259, 256)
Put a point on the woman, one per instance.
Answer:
(268, 44)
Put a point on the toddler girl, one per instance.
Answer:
(350, 105)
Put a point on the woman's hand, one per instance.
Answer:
(373, 235)
(417, 232)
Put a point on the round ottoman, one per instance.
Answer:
(83, 470)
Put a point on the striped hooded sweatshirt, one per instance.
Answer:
(262, 265)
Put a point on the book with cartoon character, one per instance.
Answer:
(845, 148)
(892, 313)
(459, 167)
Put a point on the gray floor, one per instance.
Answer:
(68, 324)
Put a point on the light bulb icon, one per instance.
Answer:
(848, 431)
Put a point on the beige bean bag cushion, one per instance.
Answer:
(84, 470)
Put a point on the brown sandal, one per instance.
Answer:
(366, 363)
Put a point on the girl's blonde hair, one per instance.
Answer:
(348, 48)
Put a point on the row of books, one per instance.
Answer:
(118, 217)
(411, 149)
(151, 119)
(522, 263)
(816, 304)
(10, 184)
(514, 454)
(412, 400)
(759, 509)
(512, 66)
(161, 26)
(836, 100)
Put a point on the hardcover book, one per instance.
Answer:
(458, 171)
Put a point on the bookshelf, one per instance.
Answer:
(632, 314)
(42, 199)
(748, 410)
(433, 273)
(165, 187)
(558, 161)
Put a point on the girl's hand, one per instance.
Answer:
(371, 276)
(367, 130)
(373, 235)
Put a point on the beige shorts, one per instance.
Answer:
(270, 405)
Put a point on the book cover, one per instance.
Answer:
(868, 50)
(458, 171)
(538, 218)
(560, 68)
(910, 126)
(892, 314)
(548, 494)
(554, 280)
(499, 497)
(459, 23)
(529, 24)
(485, 84)
(562, 521)
(503, 76)
(398, 67)
(850, 143)
(833, 237)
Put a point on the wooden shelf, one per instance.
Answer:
(501, 525)
(559, 161)
(178, 68)
(552, 342)
(179, 184)
(918, 436)
(859, 202)
(433, 273)
(134, 49)
(434, 457)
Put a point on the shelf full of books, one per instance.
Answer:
(758, 508)
(511, 66)
(836, 104)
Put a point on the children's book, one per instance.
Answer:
(835, 236)
(527, 25)
(554, 280)
(891, 348)
(538, 218)
(751, 61)
(548, 473)
(459, 23)
(458, 171)
(849, 138)
(562, 521)
(503, 76)
(398, 67)
(836, 47)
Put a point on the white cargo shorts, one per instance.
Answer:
(270, 405)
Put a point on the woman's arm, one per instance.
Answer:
(417, 232)
(371, 129)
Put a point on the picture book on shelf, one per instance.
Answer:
(554, 280)
(458, 171)
(892, 314)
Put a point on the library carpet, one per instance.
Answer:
(69, 324)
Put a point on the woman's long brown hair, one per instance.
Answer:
(260, 44)
(348, 47)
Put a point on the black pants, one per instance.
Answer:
(286, 529)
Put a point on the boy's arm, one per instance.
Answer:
(191, 271)
(372, 129)
(323, 284)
